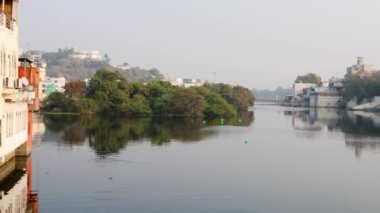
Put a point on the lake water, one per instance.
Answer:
(272, 160)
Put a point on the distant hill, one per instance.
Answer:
(278, 93)
(61, 64)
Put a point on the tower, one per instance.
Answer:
(360, 60)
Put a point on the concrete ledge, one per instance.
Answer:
(23, 150)
(7, 169)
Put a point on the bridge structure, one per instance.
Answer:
(264, 101)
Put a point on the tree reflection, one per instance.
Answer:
(73, 131)
(109, 135)
(362, 131)
(361, 123)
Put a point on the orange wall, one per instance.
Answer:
(33, 76)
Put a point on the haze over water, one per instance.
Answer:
(295, 160)
(257, 44)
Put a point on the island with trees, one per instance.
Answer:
(110, 93)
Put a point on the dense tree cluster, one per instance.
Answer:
(309, 78)
(110, 93)
(361, 87)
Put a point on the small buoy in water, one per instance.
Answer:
(110, 178)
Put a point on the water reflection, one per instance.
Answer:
(361, 129)
(276, 171)
(315, 119)
(16, 187)
(108, 136)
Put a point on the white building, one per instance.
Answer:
(298, 88)
(360, 68)
(325, 97)
(191, 82)
(329, 95)
(58, 82)
(14, 91)
(183, 82)
(50, 85)
(90, 55)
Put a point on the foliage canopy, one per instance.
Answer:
(110, 93)
(309, 78)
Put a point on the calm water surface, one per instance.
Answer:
(275, 160)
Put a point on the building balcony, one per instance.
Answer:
(9, 24)
(17, 90)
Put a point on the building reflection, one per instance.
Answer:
(16, 193)
(315, 119)
(16, 190)
(361, 129)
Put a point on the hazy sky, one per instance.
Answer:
(258, 44)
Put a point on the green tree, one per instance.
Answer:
(87, 106)
(224, 90)
(216, 105)
(161, 105)
(58, 102)
(187, 102)
(160, 95)
(361, 88)
(242, 98)
(139, 88)
(309, 78)
(140, 106)
(111, 91)
(158, 88)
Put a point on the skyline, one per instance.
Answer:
(243, 42)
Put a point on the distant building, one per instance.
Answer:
(311, 95)
(90, 55)
(124, 66)
(184, 82)
(329, 95)
(190, 82)
(298, 88)
(39, 62)
(51, 85)
(360, 68)
(177, 82)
